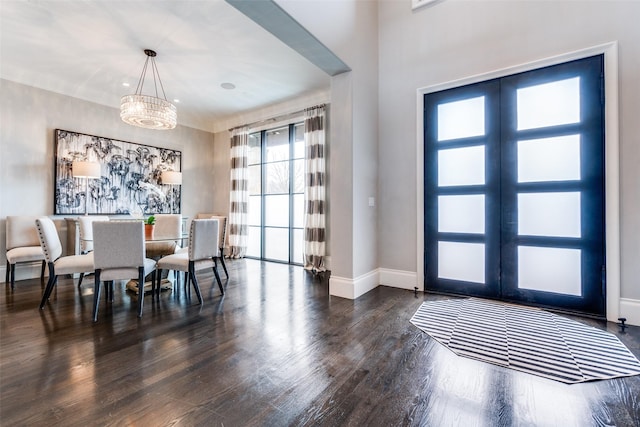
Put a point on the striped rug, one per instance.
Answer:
(526, 339)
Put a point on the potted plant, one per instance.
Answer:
(149, 225)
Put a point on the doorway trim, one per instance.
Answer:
(612, 165)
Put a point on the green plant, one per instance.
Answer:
(151, 220)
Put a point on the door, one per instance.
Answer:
(514, 188)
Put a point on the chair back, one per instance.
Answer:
(85, 226)
(168, 226)
(49, 239)
(21, 232)
(222, 226)
(118, 244)
(203, 239)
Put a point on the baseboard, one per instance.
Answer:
(353, 288)
(630, 308)
(398, 279)
(24, 270)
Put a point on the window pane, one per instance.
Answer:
(549, 269)
(461, 214)
(254, 148)
(276, 211)
(549, 214)
(253, 242)
(298, 145)
(298, 210)
(461, 261)
(298, 176)
(298, 246)
(461, 166)
(461, 119)
(276, 244)
(254, 179)
(277, 178)
(277, 144)
(549, 104)
(549, 159)
(255, 210)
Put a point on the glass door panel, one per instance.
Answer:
(461, 261)
(461, 214)
(549, 159)
(461, 166)
(461, 119)
(549, 214)
(554, 270)
(548, 104)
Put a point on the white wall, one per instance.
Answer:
(451, 40)
(350, 29)
(28, 118)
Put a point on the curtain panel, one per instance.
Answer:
(239, 194)
(314, 194)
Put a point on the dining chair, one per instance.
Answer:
(168, 226)
(85, 228)
(58, 264)
(201, 254)
(119, 254)
(22, 245)
(222, 235)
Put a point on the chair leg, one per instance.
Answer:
(192, 275)
(44, 264)
(6, 280)
(154, 276)
(13, 275)
(80, 280)
(140, 290)
(157, 278)
(50, 284)
(224, 266)
(215, 271)
(108, 291)
(96, 295)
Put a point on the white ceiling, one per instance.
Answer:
(88, 49)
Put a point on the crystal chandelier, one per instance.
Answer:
(148, 111)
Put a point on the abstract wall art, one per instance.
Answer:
(130, 181)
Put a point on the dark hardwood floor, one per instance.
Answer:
(276, 350)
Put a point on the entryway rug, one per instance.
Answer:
(526, 339)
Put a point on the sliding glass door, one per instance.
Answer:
(514, 188)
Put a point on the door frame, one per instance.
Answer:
(612, 167)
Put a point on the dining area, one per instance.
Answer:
(162, 252)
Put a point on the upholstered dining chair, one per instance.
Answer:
(201, 254)
(168, 226)
(22, 244)
(85, 228)
(222, 235)
(58, 264)
(119, 254)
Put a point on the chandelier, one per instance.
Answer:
(151, 112)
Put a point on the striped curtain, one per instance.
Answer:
(314, 197)
(239, 194)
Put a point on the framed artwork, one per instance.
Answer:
(415, 4)
(129, 182)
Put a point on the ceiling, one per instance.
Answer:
(88, 49)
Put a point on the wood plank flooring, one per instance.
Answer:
(276, 350)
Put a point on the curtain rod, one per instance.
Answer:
(276, 118)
